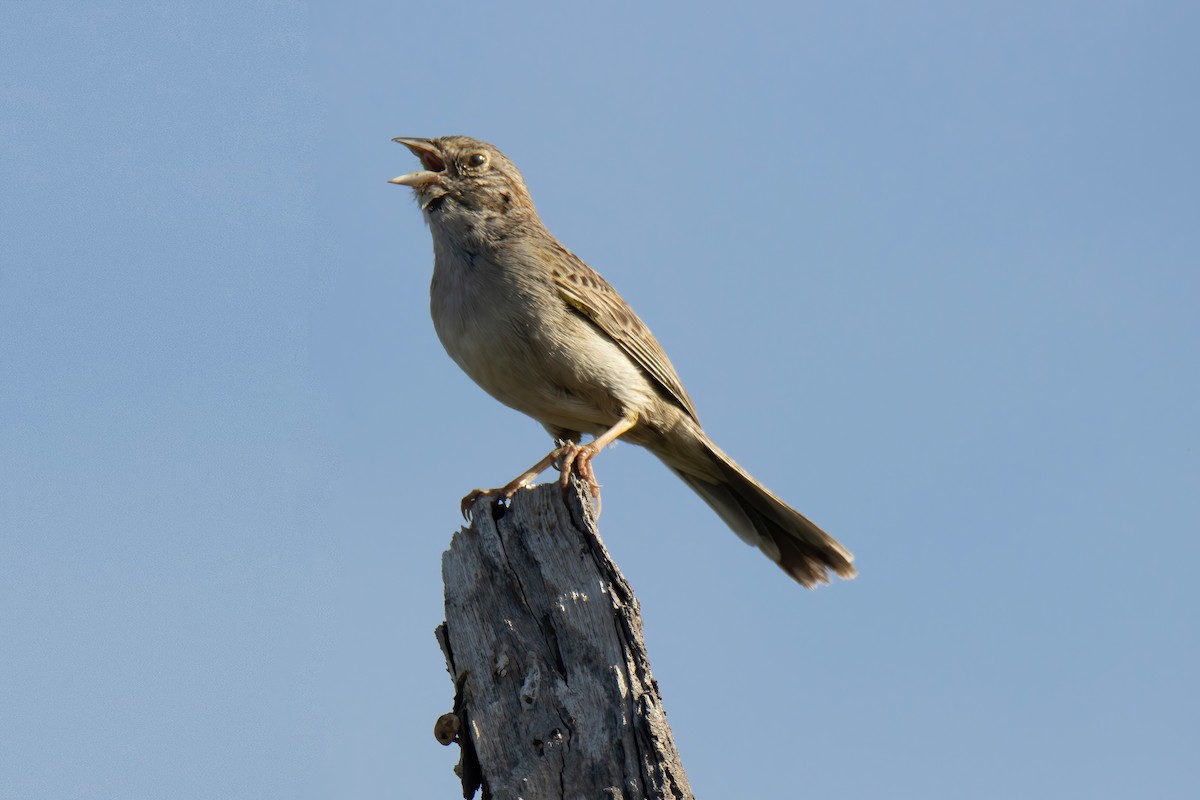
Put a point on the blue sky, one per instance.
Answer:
(929, 270)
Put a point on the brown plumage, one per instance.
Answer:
(542, 332)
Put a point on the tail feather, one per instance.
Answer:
(786, 536)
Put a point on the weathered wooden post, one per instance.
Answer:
(543, 640)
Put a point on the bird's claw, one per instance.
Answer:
(472, 497)
(568, 457)
(575, 458)
(468, 502)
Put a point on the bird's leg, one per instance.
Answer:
(580, 458)
(515, 485)
(566, 455)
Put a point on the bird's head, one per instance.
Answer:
(461, 174)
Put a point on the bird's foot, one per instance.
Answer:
(567, 457)
(472, 497)
(574, 457)
(504, 493)
(518, 483)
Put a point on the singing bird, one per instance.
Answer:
(543, 333)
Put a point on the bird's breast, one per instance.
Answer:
(511, 332)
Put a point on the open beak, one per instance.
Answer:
(431, 160)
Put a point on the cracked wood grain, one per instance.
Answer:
(543, 640)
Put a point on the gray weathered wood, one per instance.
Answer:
(543, 639)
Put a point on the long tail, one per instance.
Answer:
(786, 536)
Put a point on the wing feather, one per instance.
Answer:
(582, 288)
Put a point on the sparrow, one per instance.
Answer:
(545, 334)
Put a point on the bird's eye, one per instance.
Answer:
(477, 159)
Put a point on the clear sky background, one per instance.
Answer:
(930, 270)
